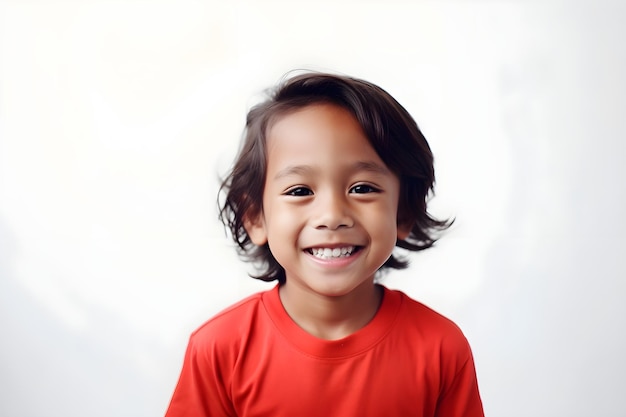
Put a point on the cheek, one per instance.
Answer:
(386, 226)
(281, 220)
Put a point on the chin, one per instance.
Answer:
(337, 290)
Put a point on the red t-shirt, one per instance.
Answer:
(253, 360)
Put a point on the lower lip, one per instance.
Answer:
(336, 262)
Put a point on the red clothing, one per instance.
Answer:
(253, 360)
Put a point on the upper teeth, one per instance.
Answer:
(326, 253)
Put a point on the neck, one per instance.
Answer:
(331, 317)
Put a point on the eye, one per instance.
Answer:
(363, 189)
(299, 192)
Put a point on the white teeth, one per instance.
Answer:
(328, 253)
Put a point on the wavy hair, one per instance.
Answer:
(391, 131)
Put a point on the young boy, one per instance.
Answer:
(332, 175)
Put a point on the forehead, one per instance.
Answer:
(318, 127)
(323, 141)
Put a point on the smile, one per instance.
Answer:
(328, 253)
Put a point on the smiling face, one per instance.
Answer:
(329, 202)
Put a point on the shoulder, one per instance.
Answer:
(232, 323)
(423, 323)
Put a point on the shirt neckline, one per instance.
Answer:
(354, 344)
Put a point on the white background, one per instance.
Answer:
(117, 117)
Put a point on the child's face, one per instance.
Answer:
(329, 203)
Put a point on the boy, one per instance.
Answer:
(332, 175)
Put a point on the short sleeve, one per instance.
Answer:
(461, 398)
(201, 388)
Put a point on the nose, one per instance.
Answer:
(333, 212)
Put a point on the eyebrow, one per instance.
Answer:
(369, 166)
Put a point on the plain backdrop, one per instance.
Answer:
(118, 117)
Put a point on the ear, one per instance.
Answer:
(404, 230)
(255, 227)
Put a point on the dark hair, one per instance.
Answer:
(390, 129)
